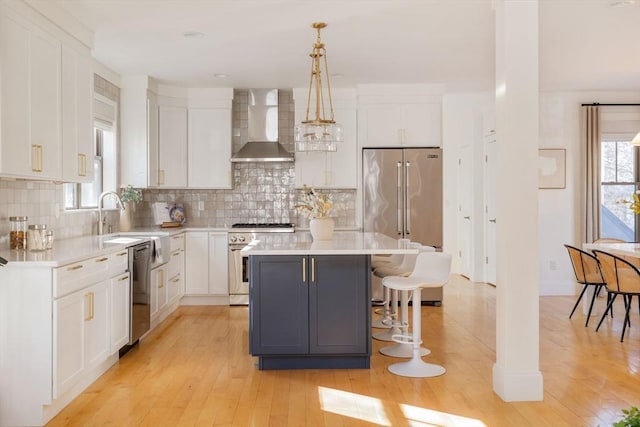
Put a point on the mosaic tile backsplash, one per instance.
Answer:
(262, 192)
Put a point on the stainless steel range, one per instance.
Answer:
(240, 236)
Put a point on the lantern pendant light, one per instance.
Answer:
(318, 133)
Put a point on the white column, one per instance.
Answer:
(516, 374)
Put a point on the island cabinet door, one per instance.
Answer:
(339, 301)
(278, 307)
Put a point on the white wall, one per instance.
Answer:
(560, 211)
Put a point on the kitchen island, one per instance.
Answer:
(310, 301)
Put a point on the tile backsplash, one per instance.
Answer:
(262, 192)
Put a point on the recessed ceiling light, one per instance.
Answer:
(221, 76)
(193, 35)
(622, 3)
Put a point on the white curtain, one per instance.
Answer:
(591, 142)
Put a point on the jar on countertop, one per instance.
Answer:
(36, 239)
(18, 232)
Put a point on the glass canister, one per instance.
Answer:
(36, 240)
(48, 239)
(18, 232)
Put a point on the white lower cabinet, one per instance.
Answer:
(158, 290)
(206, 267)
(81, 334)
(120, 311)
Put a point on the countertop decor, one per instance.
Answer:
(316, 206)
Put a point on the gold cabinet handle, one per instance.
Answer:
(122, 253)
(88, 297)
(123, 278)
(36, 158)
(75, 267)
(102, 259)
(304, 270)
(176, 280)
(176, 253)
(313, 270)
(82, 164)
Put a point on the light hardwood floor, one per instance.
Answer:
(195, 369)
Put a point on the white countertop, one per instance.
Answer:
(343, 243)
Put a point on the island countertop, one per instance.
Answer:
(342, 243)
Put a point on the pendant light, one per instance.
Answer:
(318, 133)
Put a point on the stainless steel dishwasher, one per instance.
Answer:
(140, 314)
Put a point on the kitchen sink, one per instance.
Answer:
(122, 240)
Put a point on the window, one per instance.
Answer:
(619, 178)
(86, 195)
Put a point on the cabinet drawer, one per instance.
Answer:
(177, 242)
(72, 277)
(118, 262)
(176, 263)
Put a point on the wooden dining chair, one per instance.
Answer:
(587, 271)
(621, 278)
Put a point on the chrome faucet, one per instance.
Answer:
(101, 219)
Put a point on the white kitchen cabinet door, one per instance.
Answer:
(396, 125)
(197, 263)
(158, 290)
(175, 288)
(172, 147)
(120, 311)
(77, 118)
(209, 148)
(330, 169)
(218, 264)
(31, 101)
(98, 327)
(69, 316)
(422, 125)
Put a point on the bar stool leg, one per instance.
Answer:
(395, 325)
(403, 349)
(416, 367)
(385, 321)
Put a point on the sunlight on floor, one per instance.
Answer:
(427, 417)
(353, 405)
(371, 409)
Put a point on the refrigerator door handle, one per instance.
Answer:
(407, 202)
(399, 199)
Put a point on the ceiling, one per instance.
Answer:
(584, 44)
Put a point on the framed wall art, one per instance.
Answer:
(551, 167)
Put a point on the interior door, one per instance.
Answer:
(465, 183)
(490, 147)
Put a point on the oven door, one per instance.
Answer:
(238, 276)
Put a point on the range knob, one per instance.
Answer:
(241, 239)
(233, 238)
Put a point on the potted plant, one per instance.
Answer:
(129, 196)
(316, 206)
(631, 419)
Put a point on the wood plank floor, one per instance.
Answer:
(195, 370)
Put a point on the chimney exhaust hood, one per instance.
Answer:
(262, 144)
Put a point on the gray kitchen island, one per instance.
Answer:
(310, 301)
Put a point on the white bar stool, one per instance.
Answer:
(401, 349)
(431, 270)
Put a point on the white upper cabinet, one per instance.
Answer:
(138, 132)
(329, 169)
(77, 129)
(400, 116)
(172, 143)
(30, 59)
(209, 148)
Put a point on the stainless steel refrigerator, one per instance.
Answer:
(402, 190)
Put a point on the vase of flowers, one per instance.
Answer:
(316, 206)
(129, 196)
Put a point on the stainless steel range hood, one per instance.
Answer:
(262, 144)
